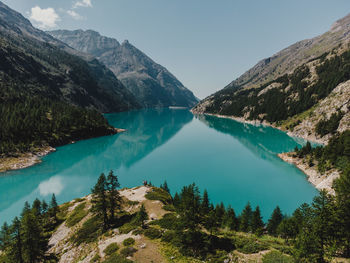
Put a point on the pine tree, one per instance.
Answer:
(165, 187)
(36, 207)
(25, 209)
(4, 236)
(275, 219)
(257, 224)
(99, 199)
(220, 213)
(16, 246)
(230, 219)
(176, 200)
(142, 215)
(245, 218)
(205, 205)
(44, 206)
(54, 209)
(113, 194)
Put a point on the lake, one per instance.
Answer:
(235, 162)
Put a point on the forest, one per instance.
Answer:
(292, 96)
(316, 232)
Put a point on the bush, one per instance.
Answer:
(152, 233)
(276, 257)
(77, 215)
(129, 242)
(95, 259)
(89, 231)
(127, 228)
(159, 194)
(111, 248)
(170, 208)
(128, 251)
(169, 221)
(249, 245)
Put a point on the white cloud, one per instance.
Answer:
(74, 15)
(44, 18)
(82, 3)
(52, 186)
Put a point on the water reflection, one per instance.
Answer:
(72, 170)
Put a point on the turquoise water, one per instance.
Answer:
(235, 162)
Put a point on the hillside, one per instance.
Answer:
(152, 84)
(147, 224)
(299, 100)
(50, 94)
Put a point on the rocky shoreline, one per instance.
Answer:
(320, 181)
(26, 160)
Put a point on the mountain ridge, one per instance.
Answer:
(151, 83)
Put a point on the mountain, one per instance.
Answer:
(290, 89)
(152, 84)
(50, 94)
(40, 64)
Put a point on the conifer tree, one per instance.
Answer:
(16, 247)
(176, 200)
(275, 219)
(36, 207)
(205, 205)
(142, 215)
(230, 219)
(113, 194)
(165, 187)
(4, 236)
(99, 199)
(245, 218)
(54, 207)
(257, 223)
(220, 213)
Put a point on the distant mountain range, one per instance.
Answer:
(300, 89)
(40, 64)
(152, 84)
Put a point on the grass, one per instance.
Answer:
(293, 121)
(277, 257)
(89, 231)
(111, 248)
(77, 215)
(159, 194)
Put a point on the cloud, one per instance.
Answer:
(44, 18)
(74, 15)
(52, 186)
(82, 3)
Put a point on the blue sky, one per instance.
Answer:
(205, 44)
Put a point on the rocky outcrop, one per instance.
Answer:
(152, 84)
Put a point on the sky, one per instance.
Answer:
(206, 44)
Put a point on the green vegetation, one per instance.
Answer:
(111, 248)
(280, 103)
(335, 155)
(129, 242)
(28, 123)
(77, 215)
(159, 194)
(197, 230)
(324, 127)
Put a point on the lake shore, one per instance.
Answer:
(25, 160)
(320, 181)
(308, 137)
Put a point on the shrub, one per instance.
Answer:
(77, 215)
(169, 221)
(249, 245)
(127, 228)
(170, 208)
(159, 194)
(111, 248)
(276, 257)
(89, 231)
(152, 233)
(128, 251)
(95, 259)
(129, 242)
